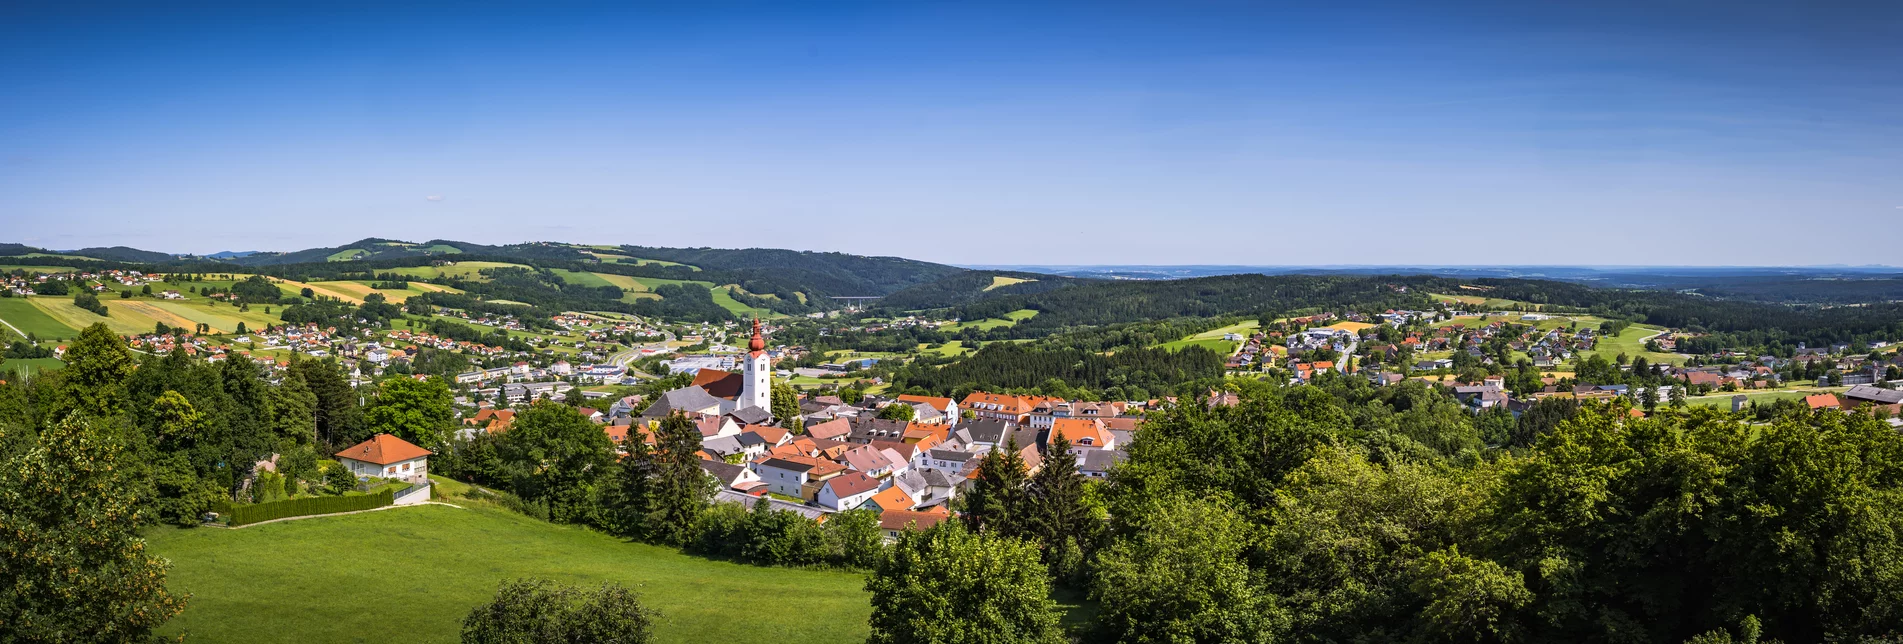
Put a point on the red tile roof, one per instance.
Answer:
(908, 519)
(1080, 430)
(852, 483)
(384, 449)
(719, 384)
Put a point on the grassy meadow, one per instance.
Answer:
(411, 574)
(1009, 319)
(21, 312)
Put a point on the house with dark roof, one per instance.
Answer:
(689, 399)
(1096, 463)
(730, 476)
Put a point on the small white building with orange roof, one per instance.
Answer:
(386, 456)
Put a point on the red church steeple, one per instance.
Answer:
(758, 343)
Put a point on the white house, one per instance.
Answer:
(847, 491)
(386, 456)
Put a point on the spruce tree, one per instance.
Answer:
(675, 489)
(1058, 517)
(997, 501)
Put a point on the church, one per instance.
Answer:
(747, 396)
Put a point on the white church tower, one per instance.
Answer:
(757, 389)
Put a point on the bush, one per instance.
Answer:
(248, 514)
(537, 610)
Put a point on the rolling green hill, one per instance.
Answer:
(411, 574)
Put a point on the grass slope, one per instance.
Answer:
(411, 574)
(1212, 339)
(1632, 343)
(1009, 319)
(28, 366)
(125, 320)
(579, 278)
(37, 270)
(464, 270)
(20, 312)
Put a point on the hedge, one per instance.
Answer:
(248, 514)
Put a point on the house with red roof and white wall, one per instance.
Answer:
(386, 456)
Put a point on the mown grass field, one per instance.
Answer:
(1632, 343)
(461, 270)
(579, 278)
(124, 320)
(1212, 339)
(631, 288)
(1723, 400)
(953, 349)
(616, 258)
(28, 366)
(1009, 319)
(356, 290)
(37, 270)
(412, 574)
(1000, 281)
(20, 312)
(223, 318)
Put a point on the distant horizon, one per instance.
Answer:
(1057, 266)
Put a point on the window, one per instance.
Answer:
(406, 467)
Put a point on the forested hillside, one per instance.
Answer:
(834, 273)
(1112, 302)
(970, 286)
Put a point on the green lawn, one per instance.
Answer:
(346, 255)
(954, 348)
(1009, 319)
(20, 312)
(124, 320)
(724, 297)
(1723, 399)
(411, 574)
(579, 278)
(29, 365)
(1632, 343)
(462, 270)
(1212, 339)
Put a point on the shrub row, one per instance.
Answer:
(248, 514)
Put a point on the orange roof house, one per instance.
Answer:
(1083, 433)
(385, 456)
(493, 420)
(1823, 401)
(894, 522)
(892, 498)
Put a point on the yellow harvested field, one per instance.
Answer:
(1000, 281)
(123, 321)
(317, 290)
(1352, 327)
(159, 314)
(631, 289)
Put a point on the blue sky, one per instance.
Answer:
(970, 132)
